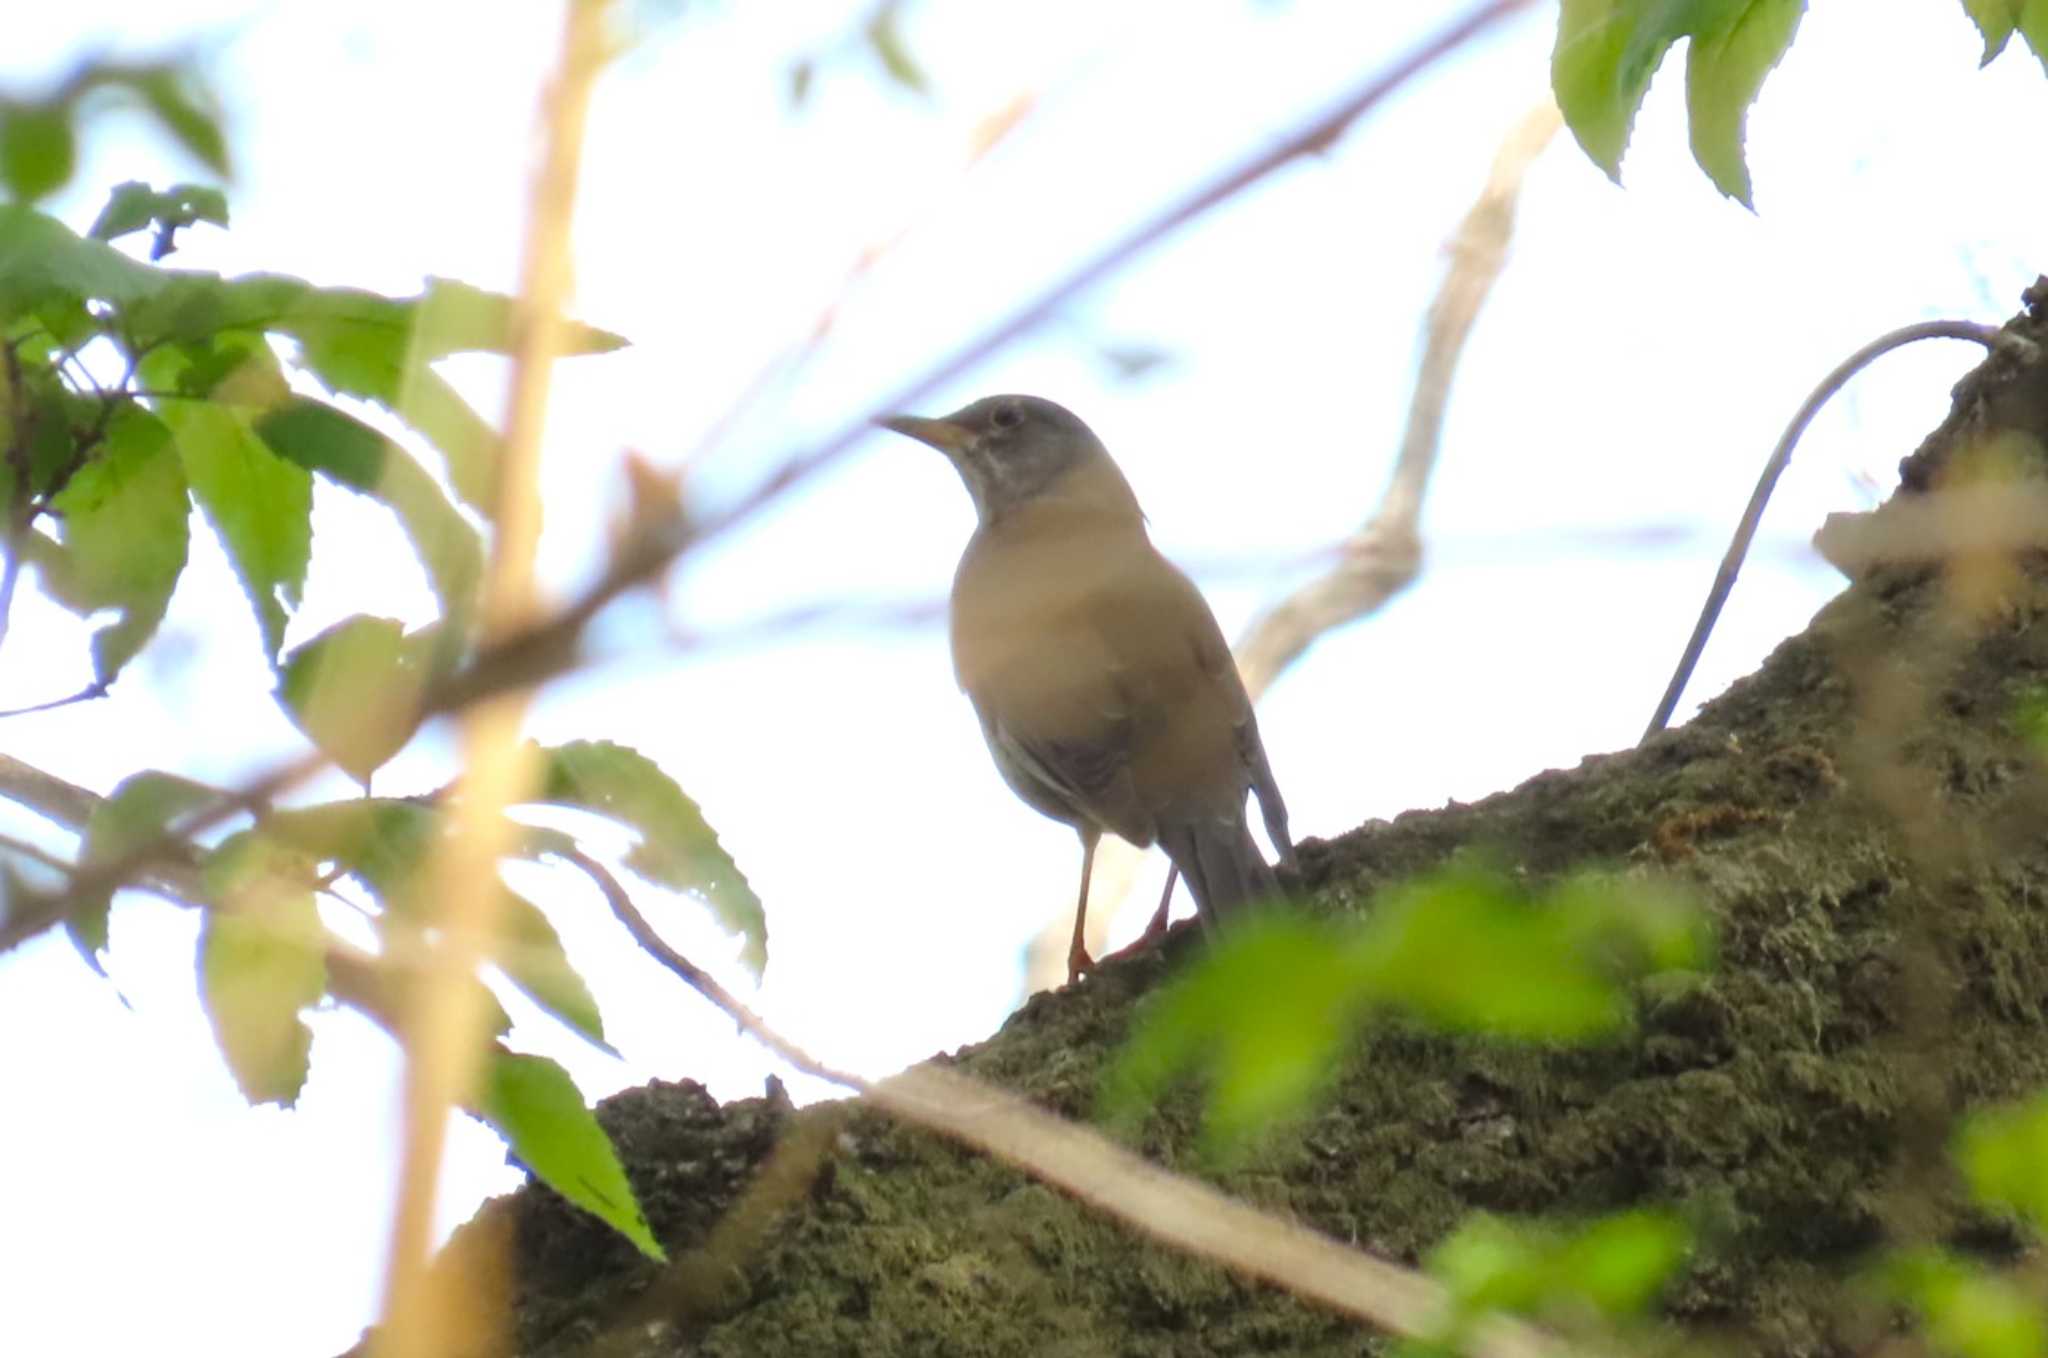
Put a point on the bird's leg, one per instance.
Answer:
(1155, 932)
(1078, 960)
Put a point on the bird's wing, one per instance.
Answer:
(1213, 655)
(1074, 771)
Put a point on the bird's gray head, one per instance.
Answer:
(1009, 449)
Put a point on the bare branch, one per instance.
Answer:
(1781, 457)
(1382, 558)
(444, 1024)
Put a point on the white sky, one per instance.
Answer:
(1632, 369)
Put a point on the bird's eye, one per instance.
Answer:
(1006, 417)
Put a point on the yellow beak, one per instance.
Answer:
(947, 437)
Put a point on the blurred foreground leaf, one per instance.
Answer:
(1267, 1011)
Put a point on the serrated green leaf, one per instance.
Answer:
(2033, 26)
(1965, 1308)
(1600, 68)
(677, 847)
(1266, 1012)
(1995, 20)
(1607, 51)
(1723, 73)
(41, 259)
(356, 690)
(38, 149)
(537, 1108)
(530, 953)
(2004, 1155)
(134, 814)
(125, 522)
(260, 504)
(262, 960)
(320, 438)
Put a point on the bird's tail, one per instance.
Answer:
(1223, 865)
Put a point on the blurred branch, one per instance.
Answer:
(1182, 1213)
(787, 365)
(1382, 558)
(1313, 137)
(444, 1025)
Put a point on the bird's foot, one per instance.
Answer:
(1154, 935)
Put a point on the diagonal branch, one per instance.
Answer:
(1182, 1213)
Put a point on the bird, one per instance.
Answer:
(1104, 687)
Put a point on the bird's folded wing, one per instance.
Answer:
(1084, 780)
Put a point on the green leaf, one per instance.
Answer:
(1465, 951)
(384, 841)
(38, 150)
(885, 38)
(2004, 1155)
(260, 504)
(1267, 1010)
(135, 206)
(387, 844)
(125, 523)
(1617, 1264)
(535, 1106)
(2033, 26)
(1995, 20)
(320, 438)
(1965, 1308)
(136, 813)
(1600, 69)
(356, 689)
(262, 959)
(677, 847)
(42, 260)
(1608, 50)
(1723, 73)
(1622, 1263)
(452, 317)
(176, 100)
(530, 952)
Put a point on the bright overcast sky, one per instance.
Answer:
(1630, 373)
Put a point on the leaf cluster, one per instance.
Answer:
(132, 394)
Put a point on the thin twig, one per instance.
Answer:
(1781, 457)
